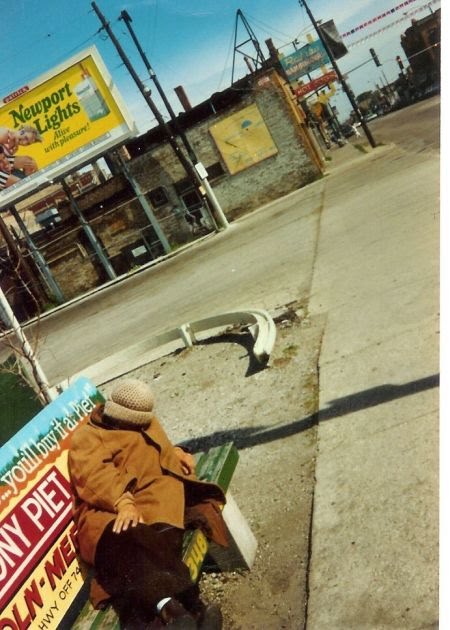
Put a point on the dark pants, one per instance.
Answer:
(142, 565)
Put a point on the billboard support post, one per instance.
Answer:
(38, 258)
(89, 232)
(20, 260)
(145, 206)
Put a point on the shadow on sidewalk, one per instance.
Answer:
(253, 436)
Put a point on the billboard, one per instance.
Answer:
(40, 574)
(305, 60)
(64, 119)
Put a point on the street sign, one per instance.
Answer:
(315, 84)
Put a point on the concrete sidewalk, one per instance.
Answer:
(374, 561)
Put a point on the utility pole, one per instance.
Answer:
(345, 87)
(199, 170)
(191, 171)
(379, 65)
(125, 16)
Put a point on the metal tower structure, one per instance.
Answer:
(257, 57)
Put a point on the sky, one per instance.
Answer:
(191, 43)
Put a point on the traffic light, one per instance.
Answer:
(374, 57)
(400, 62)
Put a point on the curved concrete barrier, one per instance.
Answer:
(260, 324)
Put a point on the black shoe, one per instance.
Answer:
(211, 619)
(208, 616)
(175, 615)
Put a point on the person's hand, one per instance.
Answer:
(187, 460)
(126, 516)
(12, 143)
(25, 163)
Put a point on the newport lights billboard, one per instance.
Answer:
(61, 121)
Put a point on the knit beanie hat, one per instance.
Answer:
(131, 401)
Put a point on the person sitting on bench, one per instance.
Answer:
(134, 495)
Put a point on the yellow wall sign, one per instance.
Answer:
(243, 139)
(64, 119)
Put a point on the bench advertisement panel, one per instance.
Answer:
(61, 121)
(40, 575)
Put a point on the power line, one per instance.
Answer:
(155, 21)
(24, 78)
(263, 26)
(381, 16)
(226, 65)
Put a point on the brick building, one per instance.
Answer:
(294, 159)
(422, 45)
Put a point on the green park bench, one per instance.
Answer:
(45, 585)
(216, 465)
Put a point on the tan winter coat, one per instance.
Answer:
(105, 464)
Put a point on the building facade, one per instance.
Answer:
(422, 45)
(252, 139)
